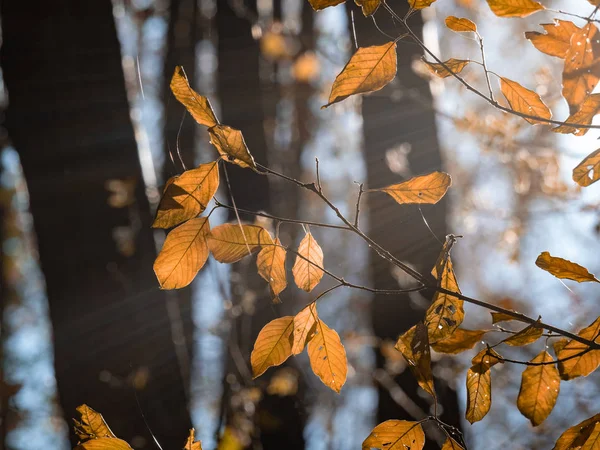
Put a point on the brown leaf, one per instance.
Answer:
(455, 66)
(459, 341)
(230, 242)
(526, 336)
(307, 269)
(305, 324)
(514, 8)
(487, 358)
(197, 105)
(273, 345)
(501, 317)
(396, 435)
(451, 444)
(369, 7)
(183, 254)
(588, 170)
(424, 189)
(328, 357)
(559, 345)
(414, 346)
(524, 100)
(588, 110)
(91, 425)
(575, 437)
(593, 442)
(322, 4)
(231, 145)
(540, 386)
(271, 266)
(191, 443)
(461, 24)
(563, 268)
(479, 385)
(556, 41)
(369, 69)
(420, 4)
(104, 444)
(584, 364)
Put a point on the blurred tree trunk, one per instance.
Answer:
(69, 119)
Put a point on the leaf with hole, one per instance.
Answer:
(396, 435)
(273, 345)
(327, 357)
(588, 171)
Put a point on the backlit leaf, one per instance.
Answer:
(588, 170)
(575, 437)
(460, 24)
(91, 425)
(271, 266)
(487, 358)
(584, 364)
(322, 4)
(414, 346)
(540, 386)
(369, 7)
(563, 268)
(459, 341)
(451, 444)
(104, 444)
(559, 345)
(453, 66)
(427, 189)
(479, 386)
(396, 435)
(197, 105)
(273, 345)
(526, 336)
(556, 41)
(231, 145)
(524, 101)
(328, 357)
(588, 110)
(420, 4)
(501, 317)
(183, 254)
(514, 8)
(369, 69)
(191, 443)
(593, 441)
(305, 324)
(307, 269)
(230, 242)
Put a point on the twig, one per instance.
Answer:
(360, 193)
(485, 69)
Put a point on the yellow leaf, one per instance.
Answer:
(502, 317)
(322, 4)
(396, 435)
(584, 364)
(414, 346)
(271, 266)
(427, 189)
(575, 437)
(420, 4)
(307, 269)
(446, 312)
(191, 443)
(461, 24)
(273, 345)
(369, 69)
(369, 7)
(593, 442)
(305, 324)
(328, 357)
(588, 170)
(183, 254)
(514, 8)
(563, 268)
(524, 101)
(556, 41)
(559, 345)
(104, 444)
(459, 341)
(526, 336)
(588, 110)
(487, 358)
(230, 242)
(187, 195)
(454, 65)
(451, 444)
(231, 145)
(540, 386)
(197, 105)
(91, 425)
(479, 385)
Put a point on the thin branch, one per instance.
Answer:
(485, 69)
(357, 214)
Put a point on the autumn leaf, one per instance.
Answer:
(183, 254)
(369, 7)
(197, 105)
(305, 324)
(322, 4)
(556, 41)
(451, 444)
(91, 425)
(191, 443)
(575, 437)
(425, 189)
(230, 242)
(273, 345)
(540, 385)
(396, 435)
(487, 358)
(231, 145)
(514, 8)
(563, 268)
(459, 341)
(369, 69)
(580, 364)
(420, 4)
(501, 317)
(271, 266)
(479, 385)
(593, 441)
(526, 336)
(328, 357)
(453, 66)
(588, 171)
(307, 269)
(524, 101)
(414, 346)
(460, 24)
(584, 116)
(104, 444)
(559, 345)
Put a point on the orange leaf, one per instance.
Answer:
(197, 105)
(455, 66)
(575, 437)
(230, 242)
(307, 269)
(104, 444)
(524, 101)
(396, 435)
(593, 441)
(369, 7)
(479, 386)
(191, 443)
(461, 24)
(273, 345)
(425, 189)
(514, 8)
(305, 324)
(328, 357)
(584, 364)
(322, 4)
(91, 425)
(271, 266)
(420, 4)
(540, 386)
(588, 170)
(501, 317)
(369, 69)
(526, 336)
(459, 341)
(414, 346)
(585, 115)
(451, 444)
(231, 145)
(556, 41)
(563, 268)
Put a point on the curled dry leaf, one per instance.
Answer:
(514, 8)
(582, 361)
(451, 444)
(588, 171)
(526, 336)
(524, 101)
(459, 341)
(414, 346)
(197, 105)
(191, 443)
(563, 268)
(424, 189)
(369, 7)
(479, 385)
(322, 4)
(305, 324)
(271, 266)
(396, 435)
(230, 242)
(452, 66)
(587, 111)
(556, 41)
(307, 269)
(328, 357)
(231, 145)
(461, 24)
(576, 436)
(540, 386)
(369, 69)
(273, 345)
(184, 253)
(91, 425)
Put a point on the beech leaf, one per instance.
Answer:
(104, 444)
(369, 7)
(191, 443)
(479, 385)
(91, 425)
(273, 345)
(524, 101)
(556, 41)
(451, 444)
(271, 266)
(461, 24)
(576, 436)
(424, 189)
(197, 105)
(420, 4)
(305, 324)
(414, 346)
(563, 268)
(526, 336)
(459, 341)
(454, 66)
(328, 357)
(584, 116)
(540, 386)
(396, 435)
(231, 145)
(307, 269)
(502, 317)
(230, 242)
(588, 171)
(514, 8)
(322, 4)
(593, 441)
(580, 364)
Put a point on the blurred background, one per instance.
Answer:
(91, 132)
